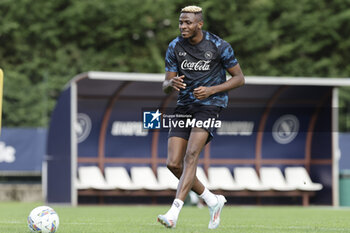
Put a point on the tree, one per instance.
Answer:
(45, 43)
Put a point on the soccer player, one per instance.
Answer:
(196, 63)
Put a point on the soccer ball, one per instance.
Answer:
(43, 219)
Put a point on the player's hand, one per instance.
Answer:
(202, 93)
(178, 83)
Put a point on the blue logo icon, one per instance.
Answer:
(151, 120)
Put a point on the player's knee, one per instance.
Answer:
(175, 168)
(191, 157)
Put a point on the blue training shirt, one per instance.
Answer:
(202, 64)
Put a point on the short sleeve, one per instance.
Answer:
(170, 59)
(228, 58)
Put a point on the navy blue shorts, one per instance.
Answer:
(191, 114)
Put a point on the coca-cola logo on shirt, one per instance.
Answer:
(200, 65)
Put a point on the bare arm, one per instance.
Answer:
(235, 81)
(172, 81)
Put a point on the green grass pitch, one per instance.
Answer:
(138, 219)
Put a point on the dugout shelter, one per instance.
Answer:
(270, 121)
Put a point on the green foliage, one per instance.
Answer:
(46, 43)
(344, 109)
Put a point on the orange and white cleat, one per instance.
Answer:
(166, 222)
(215, 212)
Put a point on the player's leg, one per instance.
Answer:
(176, 153)
(177, 144)
(196, 142)
(188, 179)
(214, 202)
(178, 148)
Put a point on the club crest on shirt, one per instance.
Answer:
(208, 54)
